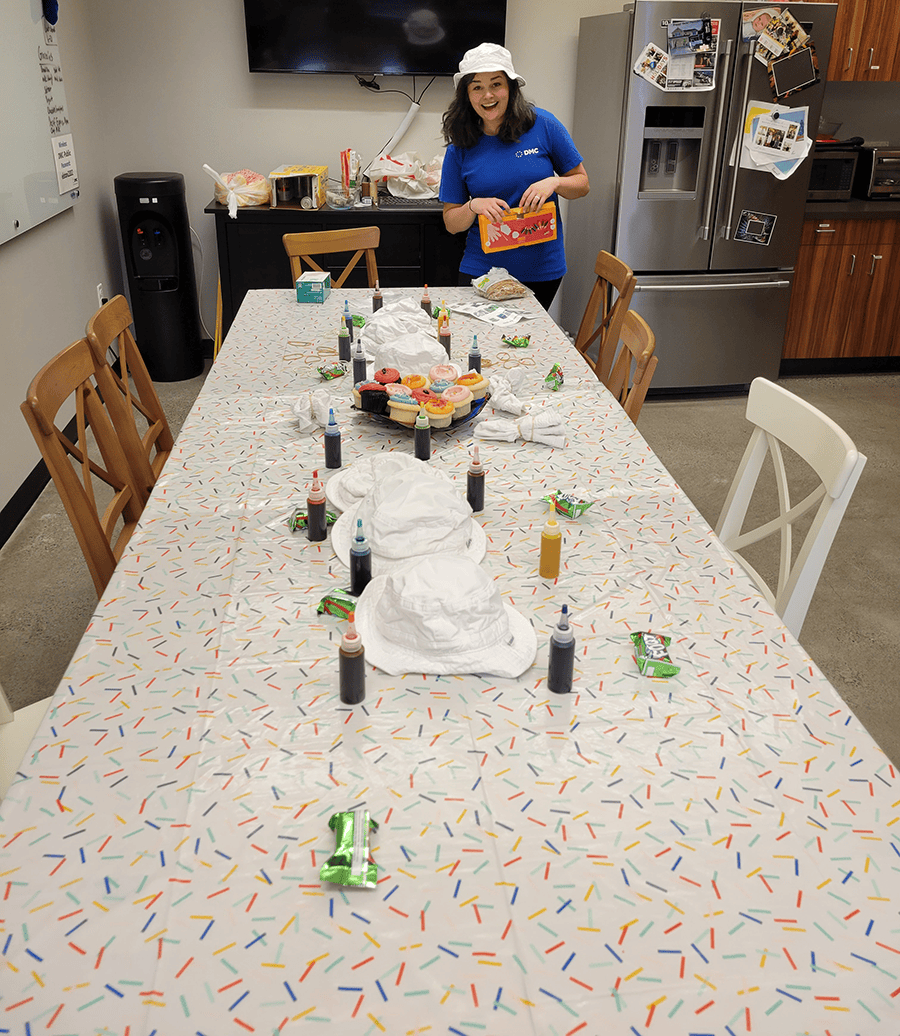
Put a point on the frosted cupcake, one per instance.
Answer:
(387, 376)
(476, 383)
(415, 381)
(444, 372)
(438, 387)
(403, 408)
(440, 412)
(460, 397)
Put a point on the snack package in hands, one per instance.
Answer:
(499, 284)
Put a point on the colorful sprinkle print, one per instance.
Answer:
(716, 853)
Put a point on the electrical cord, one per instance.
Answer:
(200, 284)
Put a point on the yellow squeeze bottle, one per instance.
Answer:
(551, 542)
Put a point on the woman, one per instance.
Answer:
(503, 152)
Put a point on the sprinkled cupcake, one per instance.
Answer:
(460, 397)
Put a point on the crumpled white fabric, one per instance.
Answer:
(409, 353)
(545, 426)
(503, 397)
(394, 319)
(311, 410)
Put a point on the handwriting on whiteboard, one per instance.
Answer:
(54, 89)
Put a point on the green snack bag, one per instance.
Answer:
(359, 320)
(350, 864)
(555, 378)
(299, 519)
(339, 603)
(652, 654)
(517, 342)
(567, 503)
(332, 371)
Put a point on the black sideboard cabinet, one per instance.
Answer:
(415, 247)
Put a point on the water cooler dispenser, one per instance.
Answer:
(159, 262)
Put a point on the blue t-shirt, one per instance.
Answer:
(493, 169)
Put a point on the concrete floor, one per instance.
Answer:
(47, 598)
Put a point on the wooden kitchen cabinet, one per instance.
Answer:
(844, 302)
(866, 43)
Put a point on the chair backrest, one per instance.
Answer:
(606, 307)
(75, 467)
(635, 363)
(137, 414)
(780, 417)
(359, 240)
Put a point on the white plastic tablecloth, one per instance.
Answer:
(715, 853)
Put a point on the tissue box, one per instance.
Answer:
(302, 185)
(313, 286)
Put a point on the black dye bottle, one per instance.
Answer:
(562, 655)
(332, 442)
(475, 482)
(360, 561)
(422, 438)
(316, 522)
(352, 664)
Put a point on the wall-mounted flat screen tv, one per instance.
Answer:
(365, 37)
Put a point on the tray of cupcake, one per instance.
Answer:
(446, 395)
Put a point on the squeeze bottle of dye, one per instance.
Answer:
(474, 355)
(562, 655)
(359, 363)
(422, 438)
(426, 301)
(332, 442)
(352, 664)
(551, 542)
(344, 344)
(316, 527)
(444, 337)
(360, 561)
(348, 319)
(377, 299)
(475, 482)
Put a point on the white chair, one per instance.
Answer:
(17, 729)
(781, 417)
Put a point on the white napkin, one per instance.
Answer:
(544, 426)
(311, 410)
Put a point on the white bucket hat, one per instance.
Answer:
(412, 513)
(443, 615)
(488, 57)
(348, 486)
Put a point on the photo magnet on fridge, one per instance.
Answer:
(755, 228)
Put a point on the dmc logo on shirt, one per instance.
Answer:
(530, 151)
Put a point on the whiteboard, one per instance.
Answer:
(38, 176)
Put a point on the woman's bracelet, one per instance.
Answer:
(474, 213)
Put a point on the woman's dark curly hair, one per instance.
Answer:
(462, 127)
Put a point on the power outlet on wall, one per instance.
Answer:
(102, 297)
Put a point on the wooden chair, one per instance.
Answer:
(137, 414)
(102, 537)
(359, 240)
(780, 417)
(629, 384)
(609, 301)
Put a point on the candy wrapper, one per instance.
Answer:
(359, 320)
(338, 603)
(332, 371)
(569, 504)
(555, 378)
(652, 654)
(518, 342)
(298, 519)
(351, 864)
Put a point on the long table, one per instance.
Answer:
(714, 853)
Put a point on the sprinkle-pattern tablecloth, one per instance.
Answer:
(716, 853)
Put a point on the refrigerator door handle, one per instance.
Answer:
(713, 287)
(713, 173)
(738, 144)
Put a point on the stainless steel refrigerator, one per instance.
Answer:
(712, 238)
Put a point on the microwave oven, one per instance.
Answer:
(832, 175)
(878, 173)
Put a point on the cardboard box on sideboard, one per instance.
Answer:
(300, 186)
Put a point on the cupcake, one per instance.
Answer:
(403, 408)
(415, 381)
(424, 395)
(476, 383)
(387, 376)
(440, 412)
(460, 397)
(437, 387)
(444, 372)
(372, 397)
(396, 389)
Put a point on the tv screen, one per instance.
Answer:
(388, 37)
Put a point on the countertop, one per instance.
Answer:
(856, 208)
